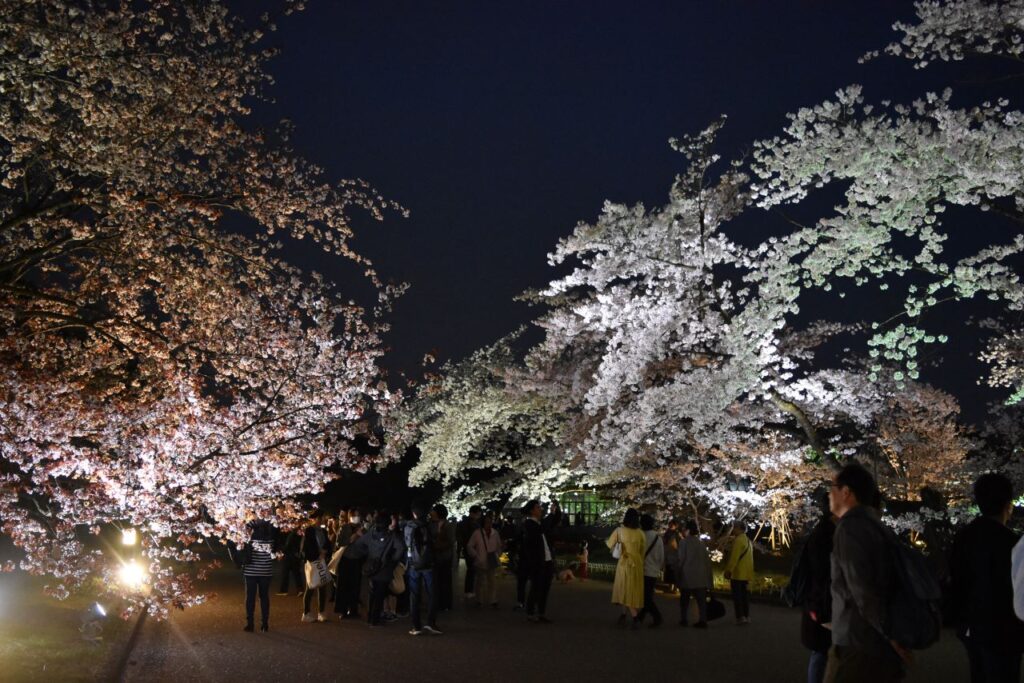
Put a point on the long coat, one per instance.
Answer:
(693, 564)
(628, 589)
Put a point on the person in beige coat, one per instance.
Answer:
(483, 549)
(628, 589)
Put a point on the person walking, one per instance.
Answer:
(628, 544)
(419, 573)
(982, 588)
(862, 573)
(536, 558)
(444, 556)
(258, 570)
(694, 578)
(816, 607)
(654, 562)
(315, 546)
(291, 562)
(739, 571)
(382, 547)
(483, 548)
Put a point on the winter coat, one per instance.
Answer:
(741, 559)
(694, 564)
(480, 545)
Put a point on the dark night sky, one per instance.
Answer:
(501, 125)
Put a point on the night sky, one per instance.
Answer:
(501, 125)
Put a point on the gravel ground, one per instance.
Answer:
(207, 644)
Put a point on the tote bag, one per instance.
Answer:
(317, 574)
(332, 566)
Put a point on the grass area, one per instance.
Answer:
(40, 637)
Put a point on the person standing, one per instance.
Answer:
(484, 548)
(694, 577)
(654, 561)
(291, 565)
(382, 547)
(1018, 578)
(982, 587)
(465, 530)
(861, 576)
(315, 546)
(739, 570)
(444, 556)
(628, 589)
(258, 570)
(419, 552)
(536, 558)
(671, 539)
(350, 566)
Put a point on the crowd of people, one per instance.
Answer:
(407, 561)
(864, 609)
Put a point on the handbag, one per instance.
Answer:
(397, 583)
(317, 574)
(716, 609)
(332, 566)
(617, 550)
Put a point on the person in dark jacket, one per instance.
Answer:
(383, 548)
(982, 590)
(291, 562)
(258, 570)
(419, 539)
(816, 610)
(316, 545)
(537, 558)
(444, 556)
(350, 567)
(861, 578)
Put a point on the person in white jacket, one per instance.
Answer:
(1017, 575)
(483, 548)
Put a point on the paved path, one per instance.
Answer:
(207, 644)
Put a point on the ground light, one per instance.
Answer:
(92, 623)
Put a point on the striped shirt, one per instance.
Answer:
(261, 555)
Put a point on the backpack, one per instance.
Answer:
(373, 565)
(421, 550)
(914, 606)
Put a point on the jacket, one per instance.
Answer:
(817, 607)
(861, 580)
(383, 544)
(654, 557)
(982, 587)
(418, 538)
(532, 559)
(741, 559)
(444, 542)
(311, 547)
(1017, 571)
(480, 545)
(693, 564)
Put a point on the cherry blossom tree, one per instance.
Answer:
(158, 370)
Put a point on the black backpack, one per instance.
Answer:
(421, 549)
(914, 606)
(373, 565)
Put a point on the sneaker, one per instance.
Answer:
(433, 630)
(701, 624)
(308, 618)
(416, 632)
(321, 618)
(390, 617)
(518, 606)
(264, 628)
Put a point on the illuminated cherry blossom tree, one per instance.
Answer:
(158, 370)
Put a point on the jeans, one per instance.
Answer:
(740, 598)
(650, 607)
(992, 665)
(419, 582)
(292, 569)
(254, 584)
(816, 666)
(521, 578)
(540, 586)
(378, 591)
(321, 599)
(701, 596)
(487, 586)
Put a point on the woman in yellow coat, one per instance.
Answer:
(628, 589)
